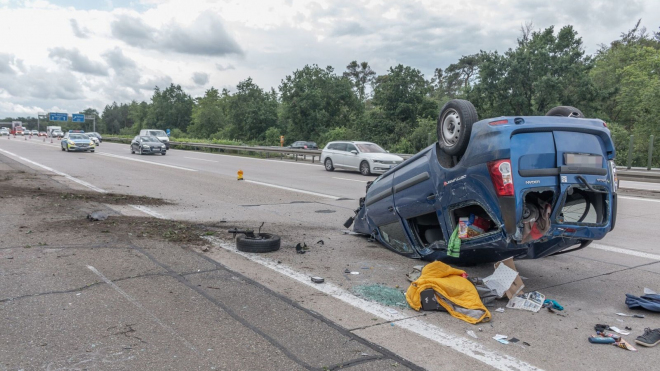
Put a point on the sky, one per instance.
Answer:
(68, 55)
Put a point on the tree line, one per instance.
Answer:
(398, 109)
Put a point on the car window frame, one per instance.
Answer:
(348, 145)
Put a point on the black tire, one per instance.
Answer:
(132, 150)
(140, 151)
(267, 243)
(62, 149)
(328, 164)
(364, 168)
(163, 153)
(92, 151)
(565, 111)
(455, 126)
(67, 148)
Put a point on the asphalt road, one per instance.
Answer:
(304, 203)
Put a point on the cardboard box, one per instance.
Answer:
(517, 285)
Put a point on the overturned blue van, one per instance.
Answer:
(540, 185)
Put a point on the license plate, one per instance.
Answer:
(583, 160)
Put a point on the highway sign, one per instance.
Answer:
(54, 116)
(78, 117)
(168, 132)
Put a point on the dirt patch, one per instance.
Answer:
(133, 227)
(104, 198)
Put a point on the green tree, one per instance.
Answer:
(252, 111)
(543, 71)
(170, 108)
(360, 75)
(315, 100)
(208, 114)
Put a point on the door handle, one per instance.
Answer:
(431, 197)
(390, 209)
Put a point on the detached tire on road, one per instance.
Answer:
(565, 111)
(455, 126)
(265, 242)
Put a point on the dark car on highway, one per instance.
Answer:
(513, 186)
(301, 144)
(145, 144)
(97, 135)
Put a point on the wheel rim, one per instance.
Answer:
(328, 164)
(451, 128)
(365, 168)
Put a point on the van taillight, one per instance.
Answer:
(500, 173)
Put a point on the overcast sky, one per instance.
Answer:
(67, 55)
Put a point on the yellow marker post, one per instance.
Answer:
(240, 175)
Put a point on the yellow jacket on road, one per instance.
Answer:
(453, 292)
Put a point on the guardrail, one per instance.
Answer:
(226, 147)
(282, 151)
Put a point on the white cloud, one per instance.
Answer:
(73, 59)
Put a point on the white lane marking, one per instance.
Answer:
(460, 344)
(199, 159)
(638, 199)
(144, 209)
(293, 189)
(67, 176)
(137, 304)
(352, 180)
(619, 250)
(146, 162)
(149, 211)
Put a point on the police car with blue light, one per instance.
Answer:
(76, 140)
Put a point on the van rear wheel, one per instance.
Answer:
(566, 111)
(455, 126)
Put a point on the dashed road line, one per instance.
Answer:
(199, 159)
(294, 190)
(352, 180)
(619, 250)
(146, 162)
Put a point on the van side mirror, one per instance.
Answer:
(354, 152)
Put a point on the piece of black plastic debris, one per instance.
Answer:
(301, 249)
(513, 340)
(629, 328)
(349, 222)
(526, 343)
(320, 242)
(347, 271)
(97, 216)
(318, 279)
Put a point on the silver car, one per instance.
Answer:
(365, 157)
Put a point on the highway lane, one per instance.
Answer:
(591, 283)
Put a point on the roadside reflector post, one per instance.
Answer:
(648, 166)
(630, 153)
(240, 175)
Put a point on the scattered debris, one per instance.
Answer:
(649, 338)
(552, 304)
(355, 273)
(532, 301)
(301, 249)
(619, 331)
(316, 279)
(487, 295)
(594, 339)
(97, 216)
(205, 248)
(415, 273)
(623, 344)
(324, 211)
(649, 302)
(501, 338)
(505, 279)
(526, 343)
(513, 340)
(452, 290)
(648, 291)
(381, 294)
(628, 328)
(500, 310)
(392, 311)
(347, 270)
(471, 333)
(630, 315)
(320, 242)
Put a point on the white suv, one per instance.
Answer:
(365, 157)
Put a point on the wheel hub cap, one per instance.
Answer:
(451, 128)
